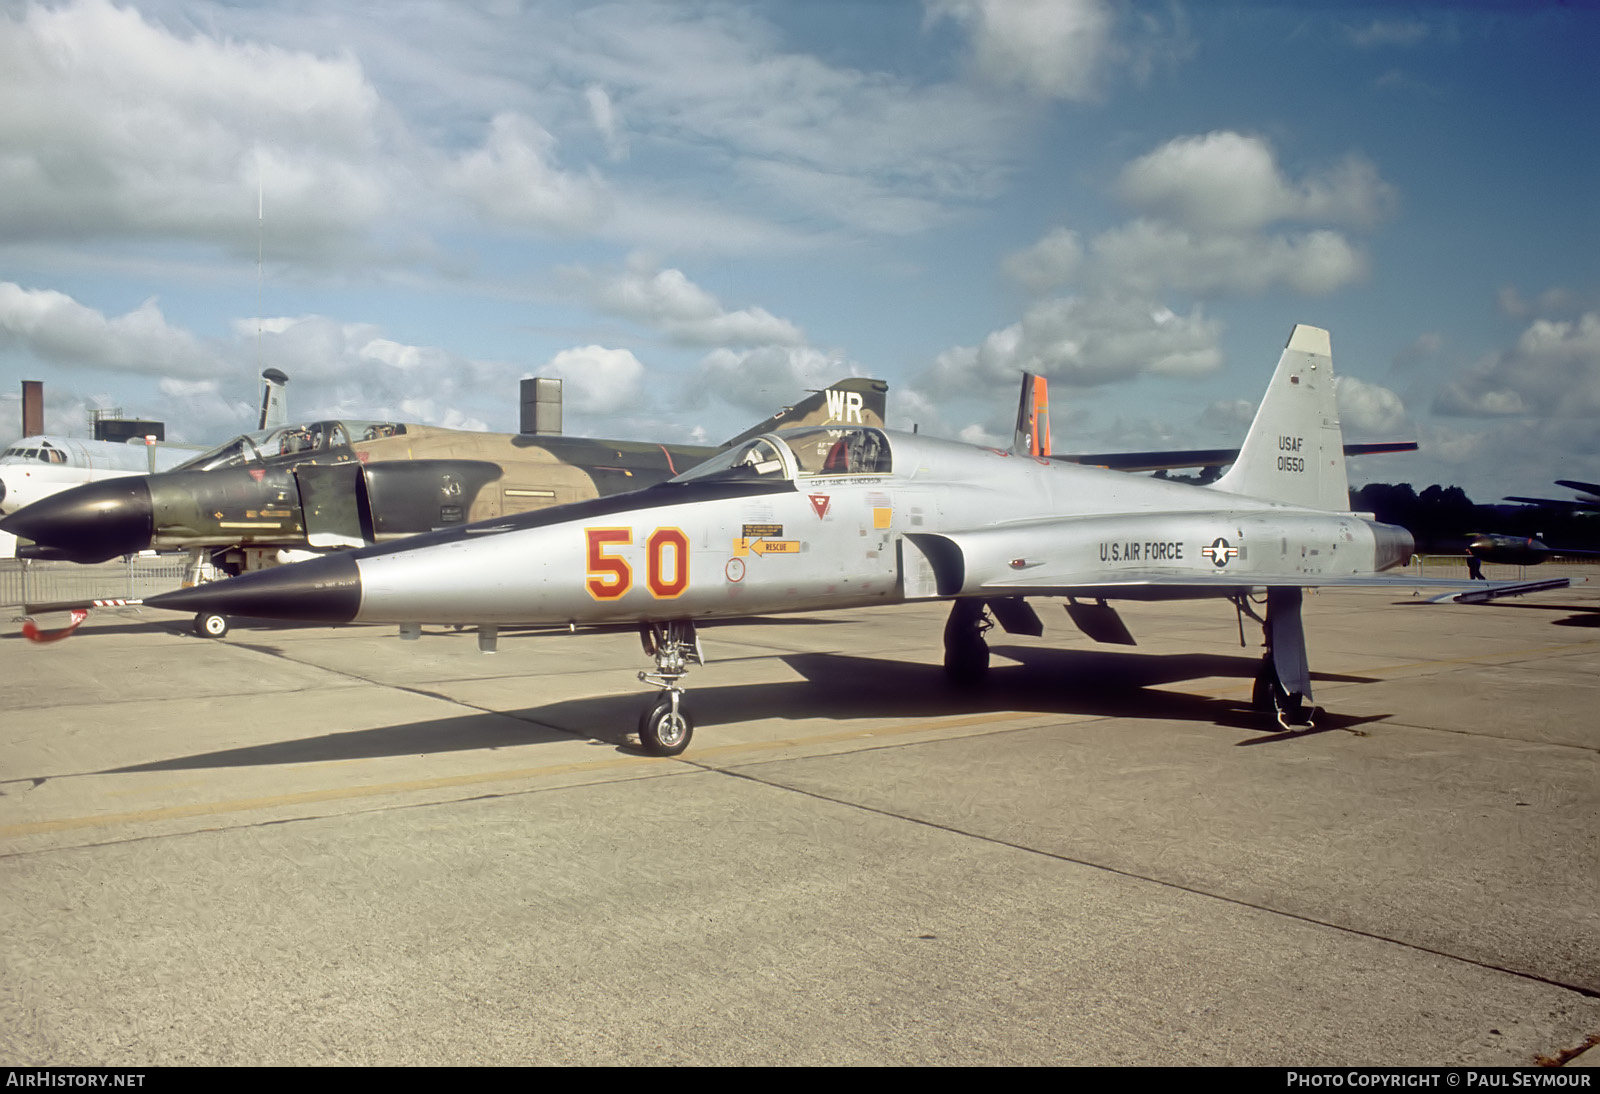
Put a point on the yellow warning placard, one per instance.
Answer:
(742, 547)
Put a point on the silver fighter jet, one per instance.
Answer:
(838, 517)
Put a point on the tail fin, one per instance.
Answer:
(274, 404)
(1294, 451)
(1032, 437)
(852, 401)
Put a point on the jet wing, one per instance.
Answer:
(1187, 584)
(1165, 556)
(1204, 457)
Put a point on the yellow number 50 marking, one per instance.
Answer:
(610, 576)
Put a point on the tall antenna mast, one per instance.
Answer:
(260, 219)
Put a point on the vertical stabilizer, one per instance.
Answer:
(274, 404)
(852, 401)
(1294, 452)
(1032, 437)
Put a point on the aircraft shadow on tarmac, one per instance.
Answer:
(840, 687)
(1576, 616)
(467, 733)
(1579, 617)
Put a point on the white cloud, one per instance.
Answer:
(1229, 417)
(1053, 48)
(54, 327)
(1054, 260)
(1226, 181)
(1148, 256)
(604, 113)
(512, 178)
(1085, 342)
(1366, 409)
(769, 377)
(112, 125)
(351, 370)
(1206, 205)
(716, 82)
(1553, 371)
(667, 301)
(867, 203)
(1494, 458)
(596, 380)
(1556, 302)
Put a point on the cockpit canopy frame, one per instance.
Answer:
(805, 453)
(296, 439)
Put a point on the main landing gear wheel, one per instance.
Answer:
(211, 624)
(1269, 697)
(966, 654)
(665, 728)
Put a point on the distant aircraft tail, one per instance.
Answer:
(1294, 452)
(1032, 437)
(274, 402)
(853, 401)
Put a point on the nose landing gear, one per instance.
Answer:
(665, 727)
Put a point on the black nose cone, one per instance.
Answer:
(89, 523)
(319, 590)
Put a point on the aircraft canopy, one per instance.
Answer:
(800, 453)
(288, 440)
(33, 450)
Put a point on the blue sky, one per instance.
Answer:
(694, 211)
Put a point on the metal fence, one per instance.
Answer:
(28, 581)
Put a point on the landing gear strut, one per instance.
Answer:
(1283, 683)
(966, 654)
(665, 727)
(1269, 697)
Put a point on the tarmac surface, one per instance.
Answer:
(328, 845)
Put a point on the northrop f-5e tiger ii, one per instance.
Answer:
(839, 517)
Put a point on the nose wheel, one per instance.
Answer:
(665, 726)
(211, 624)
